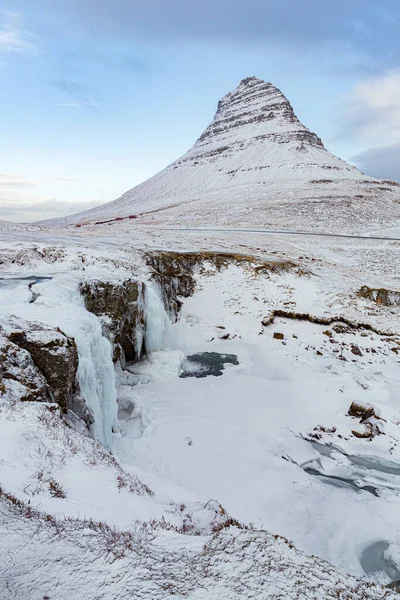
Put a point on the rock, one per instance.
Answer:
(368, 417)
(328, 333)
(20, 379)
(39, 364)
(122, 306)
(395, 585)
(361, 411)
(53, 353)
(278, 336)
(174, 273)
(371, 430)
(356, 350)
(80, 409)
(380, 295)
(341, 328)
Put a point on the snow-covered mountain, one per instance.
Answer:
(257, 164)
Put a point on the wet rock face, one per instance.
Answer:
(39, 363)
(123, 308)
(380, 295)
(174, 274)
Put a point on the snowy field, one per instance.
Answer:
(270, 440)
(238, 437)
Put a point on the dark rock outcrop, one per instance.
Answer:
(173, 273)
(122, 305)
(39, 363)
(380, 295)
(19, 377)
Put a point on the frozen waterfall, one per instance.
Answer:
(97, 377)
(158, 324)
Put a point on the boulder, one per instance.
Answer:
(278, 335)
(380, 295)
(41, 362)
(20, 379)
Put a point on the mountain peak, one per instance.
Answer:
(257, 108)
(251, 81)
(256, 163)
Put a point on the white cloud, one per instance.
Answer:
(17, 182)
(25, 209)
(77, 104)
(13, 37)
(372, 110)
(24, 199)
(382, 162)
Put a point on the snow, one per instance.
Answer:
(256, 165)
(245, 428)
(245, 439)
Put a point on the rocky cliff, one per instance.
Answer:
(39, 364)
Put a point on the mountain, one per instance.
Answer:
(256, 164)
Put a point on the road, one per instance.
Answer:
(284, 232)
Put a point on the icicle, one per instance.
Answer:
(140, 326)
(96, 377)
(157, 320)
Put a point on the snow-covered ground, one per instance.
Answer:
(270, 440)
(238, 437)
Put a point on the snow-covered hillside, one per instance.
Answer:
(257, 165)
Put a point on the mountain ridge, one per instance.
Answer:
(255, 155)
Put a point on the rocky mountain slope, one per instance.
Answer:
(256, 164)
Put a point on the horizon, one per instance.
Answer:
(118, 91)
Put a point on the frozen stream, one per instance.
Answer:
(236, 437)
(371, 474)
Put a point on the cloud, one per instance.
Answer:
(15, 182)
(77, 91)
(371, 111)
(33, 209)
(69, 86)
(77, 104)
(369, 27)
(18, 182)
(382, 162)
(13, 37)
(23, 200)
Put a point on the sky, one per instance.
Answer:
(98, 95)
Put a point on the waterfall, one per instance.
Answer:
(96, 377)
(61, 305)
(158, 324)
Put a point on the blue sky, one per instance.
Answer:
(98, 95)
